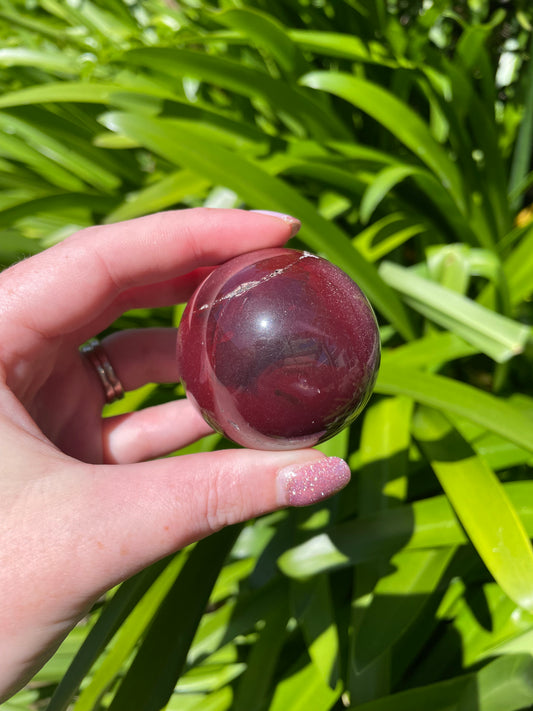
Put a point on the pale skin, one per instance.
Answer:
(84, 501)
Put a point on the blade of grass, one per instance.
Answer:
(51, 61)
(385, 235)
(15, 147)
(78, 92)
(382, 184)
(70, 160)
(61, 203)
(385, 441)
(430, 352)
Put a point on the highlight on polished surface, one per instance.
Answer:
(278, 349)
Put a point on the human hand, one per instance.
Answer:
(80, 507)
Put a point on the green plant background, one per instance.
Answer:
(400, 134)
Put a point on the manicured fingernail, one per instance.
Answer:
(294, 222)
(309, 483)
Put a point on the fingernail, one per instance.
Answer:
(311, 482)
(294, 222)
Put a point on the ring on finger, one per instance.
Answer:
(96, 355)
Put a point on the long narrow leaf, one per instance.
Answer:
(402, 121)
(430, 523)
(191, 148)
(128, 637)
(157, 666)
(113, 615)
(496, 335)
(243, 80)
(458, 398)
(522, 153)
(268, 33)
(481, 504)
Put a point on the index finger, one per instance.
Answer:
(70, 284)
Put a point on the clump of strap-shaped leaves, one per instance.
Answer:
(400, 134)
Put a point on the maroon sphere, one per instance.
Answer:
(278, 349)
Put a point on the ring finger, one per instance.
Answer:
(141, 356)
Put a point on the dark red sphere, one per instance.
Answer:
(278, 349)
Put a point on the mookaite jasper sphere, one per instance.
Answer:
(278, 349)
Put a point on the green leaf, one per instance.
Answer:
(508, 633)
(153, 674)
(220, 700)
(303, 688)
(189, 147)
(506, 684)
(18, 149)
(314, 610)
(457, 398)
(112, 617)
(52, 61)
(429, 523)
(430, 352)
(398, 118)
(382, 184)
(503, 685)
(257, 680)
(130, 632)
(239, 616)
(83, 92)
(170, 190)
(524, 143)
(385, 441)
(496, 335)
(57, 204)
(339, 44)
(241, 79)
(268, 33)
(481, 504)
(385, 235)
(397, 601)
(69, 159)
(518, 268)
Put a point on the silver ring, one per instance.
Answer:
(97, 357)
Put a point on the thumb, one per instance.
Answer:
(143, 512)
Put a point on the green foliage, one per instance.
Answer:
(400, 133)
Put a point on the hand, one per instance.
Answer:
(78, 511)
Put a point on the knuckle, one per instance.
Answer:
(223, 502)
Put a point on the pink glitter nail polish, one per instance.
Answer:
(309, 483)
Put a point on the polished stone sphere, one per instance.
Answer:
(278, 349)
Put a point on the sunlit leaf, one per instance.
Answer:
(192, 149)
(398, 118)
(480, 501)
